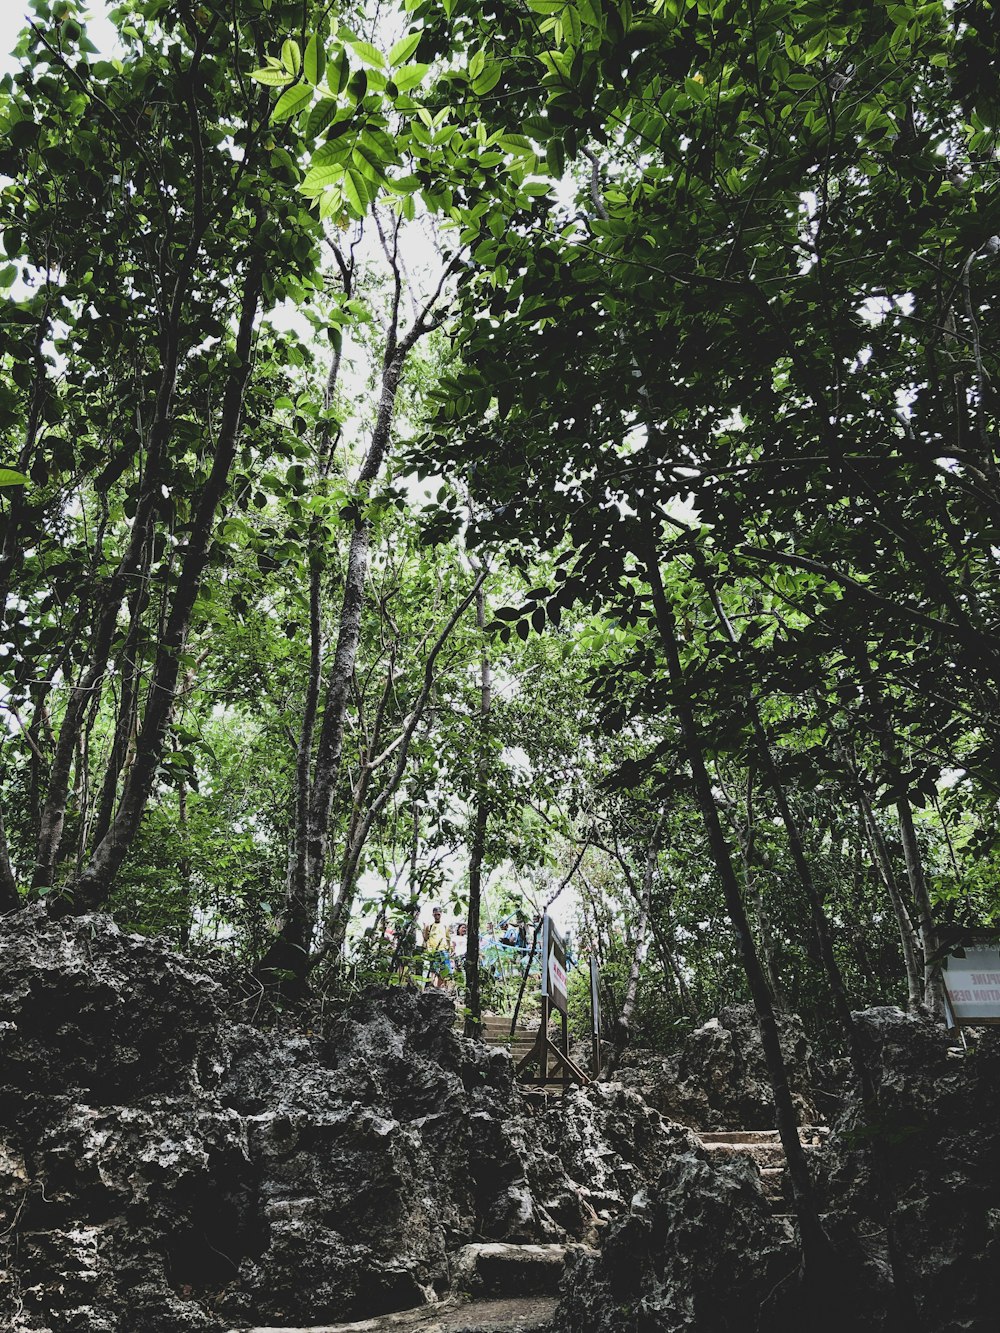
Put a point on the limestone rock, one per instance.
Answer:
(496, 1269)
(920, 1179)
(702, 1253)
(167, 1165)
(717, 1078)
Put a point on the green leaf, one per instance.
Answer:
(274, 78)
(314, 60)
(371, 55)
(321, 116)
(590, 12)
(8, 477)
(356, 190)
(292, 101)
(404, 185)
(338, 74)
(409, 76)
(555, 157)
(291, 56)
(320, 177)
(404, 48)
(488, 80)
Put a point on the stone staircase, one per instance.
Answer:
(764, 1147)
(496, 1032)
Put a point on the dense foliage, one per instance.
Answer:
(539, 448)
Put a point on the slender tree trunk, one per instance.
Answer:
(933, 976)
(933, 982)
(340, 915)
(746, 842)
(907, 938)
(184, 866)
(289, 954)
(136, 550)
(669, 959)
(622, 1027)
(297, 871)
(127, 707)
(10, 900)
(473, 1021)
(815, 1245)
(92, 887)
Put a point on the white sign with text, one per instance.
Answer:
(973, 986)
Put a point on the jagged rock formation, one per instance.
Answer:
(166, 1164)
(717, 1079)
(919, 1182)
(701, 1251)
(910, 1198)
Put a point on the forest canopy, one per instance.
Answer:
(473, 451)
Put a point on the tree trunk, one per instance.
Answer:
(340, 915)
(93, 885)
(933, 977)
(907, 938)
(10, 900)
(815, 1245)
(933, 981)
(106, 614)
(623, 1023)
(477, 852)
(288, 958)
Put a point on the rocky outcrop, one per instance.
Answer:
(909, 1191)
(701, 1250)
(914, 1187)
(168, 1164)
(610, 1143)
(717, 1078)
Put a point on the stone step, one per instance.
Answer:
(496, 1029)
(809, 1136)
(764, 1146)
(494, 1268)
(764, 1154)
(516, 1314)
(710, 1136)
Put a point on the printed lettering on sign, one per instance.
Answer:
(972, 983)
(554, 972)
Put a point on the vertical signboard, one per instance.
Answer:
(553, 965)
(972, 982)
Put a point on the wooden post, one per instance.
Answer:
(595, 1022)
(543, 1052)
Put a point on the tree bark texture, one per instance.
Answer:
(815, 1245)
(477, 851)
(623, 1023)
(94, 884)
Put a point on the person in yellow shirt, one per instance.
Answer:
(437, 950)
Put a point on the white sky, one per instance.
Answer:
(13, 17)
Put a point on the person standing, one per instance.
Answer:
(460, 947)
(437, 950)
